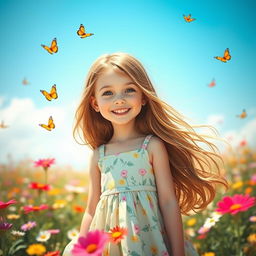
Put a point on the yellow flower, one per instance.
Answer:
(154, 249)
(54, 192)
(13, 216)
(144, 212)
(209, 254)
(59, 204)
(111, 184)
(191, 222)
(121, 182)
(237, 185)
(36, 249)
(134, 238)
(135, 155)
(252, 238)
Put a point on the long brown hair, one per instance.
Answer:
(195, 170)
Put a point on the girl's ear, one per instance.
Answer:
(143, 102)
(94, 104)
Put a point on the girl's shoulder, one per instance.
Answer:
(155, 145)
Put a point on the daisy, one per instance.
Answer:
(43, 236)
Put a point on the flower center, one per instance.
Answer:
(116, 234)
(91, 248)
(235, 206)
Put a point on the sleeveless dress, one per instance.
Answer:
(129, 200)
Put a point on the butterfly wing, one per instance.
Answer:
(227, 55)
(81, 30)
(51, 124)
(221, 59)
(53, 92)
(46, 95)
(45, 127)
(47, 48)
(54, 47)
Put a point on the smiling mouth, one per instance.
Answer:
(121, 111)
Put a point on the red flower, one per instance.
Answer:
(55, 253)
(45, 163)
(31, 208)
(4, 205)
(39, 186)
(117, 234)
(78, 208)
(235, 204)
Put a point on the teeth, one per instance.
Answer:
(121, 110)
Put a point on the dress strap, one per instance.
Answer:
(146, 141)
(101, 150)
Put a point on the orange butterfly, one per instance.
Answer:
(25, 81)
(52, 94)
(212, 83)
(188, 18)
(226, 56)
(81, 32)
(242, 115)
(50, 125)
(53, 48)
(2, 125)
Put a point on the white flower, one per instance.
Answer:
(75, 189)
(43, 236)
(211, 221)
(17, 233)
(73, 233)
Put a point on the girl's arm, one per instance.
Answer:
(93, 194)
(166, 195)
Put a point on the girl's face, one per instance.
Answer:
(117, 98)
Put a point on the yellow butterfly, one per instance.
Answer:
(226, 56)
(2, 125)
(81, 32)
(50, 125)
(53, 48)
(51, 95)
(187, 18)
(243, 114)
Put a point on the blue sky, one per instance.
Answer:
(178, 56)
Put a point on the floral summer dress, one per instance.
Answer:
(129, 200)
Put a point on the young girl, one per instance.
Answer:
(146, 168)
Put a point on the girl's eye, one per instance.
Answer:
(107, 93)
(130, 90)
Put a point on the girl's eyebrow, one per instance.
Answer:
(107, 86)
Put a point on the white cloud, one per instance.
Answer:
(24, 138)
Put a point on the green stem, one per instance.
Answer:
(237, 226)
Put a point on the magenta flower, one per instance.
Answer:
(45, 163)
(4, 205)
(28, 226)
(235, 204)
(4, 225)
(92, 245)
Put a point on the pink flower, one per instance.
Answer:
(164, 253)
(28, 226)
(136, 228)
(45, 163)
(31, 208)
(235, 204)
(252, 219)
(203, 230)
(142, 172)
(4, 205)
(4, 225)
(124, 173)
(53, 231)
(93, 244)
(124, 198)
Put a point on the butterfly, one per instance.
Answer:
(81, 32)
(242, 115)
(212, 83)
(53, 48)
(187, 18)
(50, 125)
(25, 81)
(52, 94)
(226, 56)
(2, 125)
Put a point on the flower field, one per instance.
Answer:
(42, 204)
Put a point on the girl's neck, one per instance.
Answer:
(122, 134)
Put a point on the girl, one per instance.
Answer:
(146, 168)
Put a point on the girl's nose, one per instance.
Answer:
(119, 99)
